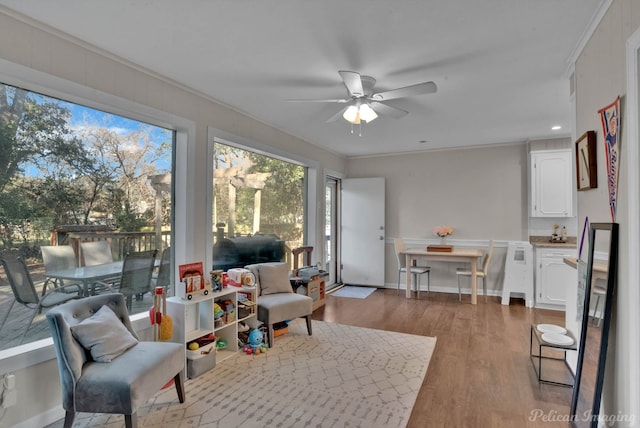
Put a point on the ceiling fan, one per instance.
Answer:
(365, 104)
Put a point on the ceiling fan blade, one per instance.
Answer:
(407, 91)
(338, 114)
(353, 82)
(329, 100)
(386, 110)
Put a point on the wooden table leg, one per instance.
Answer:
(474, 281)
(408, 264)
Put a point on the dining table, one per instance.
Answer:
(88, 275)
(454, 255)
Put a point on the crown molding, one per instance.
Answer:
(586, 35)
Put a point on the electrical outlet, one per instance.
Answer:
(10, 381)
(9, 398)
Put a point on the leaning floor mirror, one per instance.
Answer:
(598, 304)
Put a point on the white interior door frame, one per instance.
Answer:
(632, 130)
(336, 259)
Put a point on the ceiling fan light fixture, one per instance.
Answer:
(352, 114)
(366, 113)
(355, 113)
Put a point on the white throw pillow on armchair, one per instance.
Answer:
(103, 335)
(274, 279)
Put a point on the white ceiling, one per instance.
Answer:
(500, 65)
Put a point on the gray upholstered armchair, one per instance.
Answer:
(276, 300)
(102, 366)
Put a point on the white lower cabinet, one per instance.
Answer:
(553, 277)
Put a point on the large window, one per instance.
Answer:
(71, 174)
(258, 207)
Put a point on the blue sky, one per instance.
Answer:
(82, 116)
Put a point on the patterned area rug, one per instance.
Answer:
(342, 376)
(354, 292)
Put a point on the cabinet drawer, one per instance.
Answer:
(555, 253)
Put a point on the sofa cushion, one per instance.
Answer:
(103, 335)
(274, 279)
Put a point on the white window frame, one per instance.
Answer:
(312, 206)
(33, 353)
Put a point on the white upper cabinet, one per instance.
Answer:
(551, 184)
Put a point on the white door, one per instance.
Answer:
(363, 231)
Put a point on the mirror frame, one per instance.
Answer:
(608, 308)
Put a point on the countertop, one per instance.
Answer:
(545, 242)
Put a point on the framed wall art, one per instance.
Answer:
(586, 164)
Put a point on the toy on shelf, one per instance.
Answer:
(239, 277)
(218, 312)
(193, 281)
(229, 310)
(201, 346)
(216, 279)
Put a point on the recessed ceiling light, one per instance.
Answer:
(423, 141)
(556, 127)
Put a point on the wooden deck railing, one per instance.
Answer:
(121, 242)
(124, 242)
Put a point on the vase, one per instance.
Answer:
(443, 240)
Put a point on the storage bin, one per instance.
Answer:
(201, 364)
(243, 312)
(203, 350)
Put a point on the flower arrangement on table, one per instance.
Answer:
(443, 231)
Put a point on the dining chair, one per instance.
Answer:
(57, 257)
(137, 270)
(96, 252)
(416, 271)
(163, 277)
(305, 252)
(482, 272)
(24, 291)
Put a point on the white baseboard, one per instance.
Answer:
(441, 289)
(43, 419)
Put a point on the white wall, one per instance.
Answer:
(481, 192)
(600, 78)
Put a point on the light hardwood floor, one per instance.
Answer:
(480, 374)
